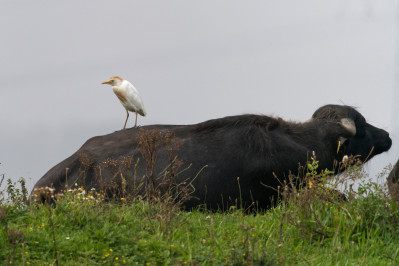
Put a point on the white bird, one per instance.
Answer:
(128, 95)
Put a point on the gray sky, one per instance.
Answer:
(191, 61)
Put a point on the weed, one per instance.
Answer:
(15, 195)
(162, 189)
(315, 206)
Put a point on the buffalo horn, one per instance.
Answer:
(349, 125)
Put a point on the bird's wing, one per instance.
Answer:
(134, 99)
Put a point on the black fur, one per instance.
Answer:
(251, 147)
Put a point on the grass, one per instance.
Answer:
(312, 225)
(88, 230)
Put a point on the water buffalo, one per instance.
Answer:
(251, 147)
(393, 182)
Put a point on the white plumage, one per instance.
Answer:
(128, 95)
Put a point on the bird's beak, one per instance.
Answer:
(107, 82)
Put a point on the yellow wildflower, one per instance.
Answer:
(106, 255)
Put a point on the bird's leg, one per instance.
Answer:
(135, 123)
(127, 117)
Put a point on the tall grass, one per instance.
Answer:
(311, 225)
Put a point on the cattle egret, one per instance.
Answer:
(128, 95)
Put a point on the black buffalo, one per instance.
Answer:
(251, 147)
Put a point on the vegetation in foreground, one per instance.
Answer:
(311, 226)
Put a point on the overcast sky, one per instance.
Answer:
(191, 61)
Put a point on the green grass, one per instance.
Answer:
(311, 226)
(81, 230)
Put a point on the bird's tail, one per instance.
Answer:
(142, 111)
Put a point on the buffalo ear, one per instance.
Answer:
(348, 126)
